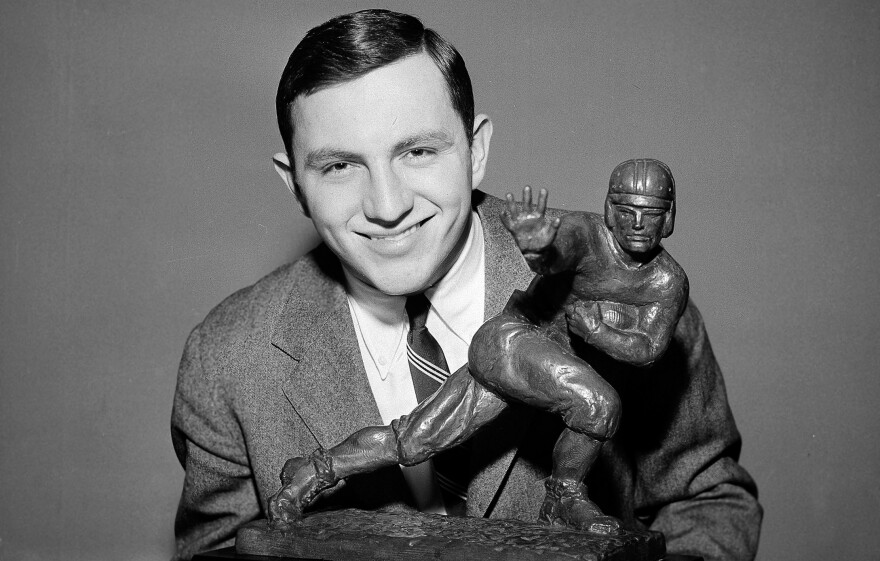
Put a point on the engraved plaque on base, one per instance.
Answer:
(407, 536)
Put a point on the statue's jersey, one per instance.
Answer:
(628, 296)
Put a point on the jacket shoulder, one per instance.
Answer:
(252, 311)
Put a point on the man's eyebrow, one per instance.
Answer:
(318, 158)
(440, 136)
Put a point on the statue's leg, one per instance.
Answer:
(526, 363)
(449, 417)
(304, 478)
(445, 419)
(566, 502)
(591, 410)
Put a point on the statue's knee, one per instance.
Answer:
(488, 335)
(607, 414)
(494, 346)
(598, 415)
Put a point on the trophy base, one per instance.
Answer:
(412, 536)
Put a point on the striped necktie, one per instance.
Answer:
(429, 370)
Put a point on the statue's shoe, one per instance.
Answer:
(302, 480)
(566, 504)
(286, 506)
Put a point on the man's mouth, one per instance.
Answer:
(395, 237)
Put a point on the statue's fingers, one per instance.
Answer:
(542, 201)
(527, 198)
(507, 213)
(550, 230)
(506, 220)
(511, 204)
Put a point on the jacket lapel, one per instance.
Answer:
(325, 371)
(506, 270)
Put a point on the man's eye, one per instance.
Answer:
(337, 167)
(418, 153)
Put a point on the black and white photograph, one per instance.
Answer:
(534, 281)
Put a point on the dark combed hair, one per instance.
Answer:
(349, 46)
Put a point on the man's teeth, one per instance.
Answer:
(399, 236)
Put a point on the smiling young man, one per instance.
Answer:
(384, 167)
(383, 152)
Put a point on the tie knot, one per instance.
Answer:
(417, 307)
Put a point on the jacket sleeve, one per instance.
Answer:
(219, 493)
(689, 484)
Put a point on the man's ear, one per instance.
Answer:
(480, 149)
(285, 171)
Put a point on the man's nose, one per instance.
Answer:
(388, 199)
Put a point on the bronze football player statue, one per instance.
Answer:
(604, 280)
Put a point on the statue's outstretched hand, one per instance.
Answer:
(532, 230)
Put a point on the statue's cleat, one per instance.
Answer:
(293, 468)
(286, 506)
(302, 480)
(605, 525)
(566, 504)
(284, 512)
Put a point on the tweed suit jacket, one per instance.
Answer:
(275, 371)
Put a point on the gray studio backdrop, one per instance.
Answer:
(136, 191)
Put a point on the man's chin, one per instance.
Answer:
(400, 284)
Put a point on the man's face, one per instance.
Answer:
(384, 168)
(637, 229)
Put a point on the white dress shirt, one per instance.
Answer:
(457, 303)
